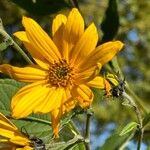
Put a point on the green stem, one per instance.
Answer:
(71, 143)
(87, 130)
(140, 138)
(139, 117)
(137, 99)
(74, 128)
(12, 43)
(16, 46)
(124, 144)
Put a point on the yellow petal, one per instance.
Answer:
(53, 100)
(107, 51)
(25, 148)
(97, 82)
(20, 140)
(102, 54)
(22, 36)
(67, 104)
(85, 45)
(40, 40)
(9, 130)
(55, 117)
(6, 133)
(101, 83)
(34, 51)
(29, 98)
(31, 73)
(39, 59)
(68, 101)
(83, 94)
(107, 88)
(73, 30)
(87, 75)
(8, 123)
(57, 22)
(57, 30)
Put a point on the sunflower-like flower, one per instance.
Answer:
(11, 137)
(66, 66)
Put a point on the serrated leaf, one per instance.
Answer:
(37, 125)
(128, 128)
(146, 119)
(40, 7)
(8, 88)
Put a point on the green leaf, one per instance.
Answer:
(110, 22)
(8, 88)
(146, 119)
(41, 7)
(128, 128)
(35, 125)
(115, 141)
(73, 144)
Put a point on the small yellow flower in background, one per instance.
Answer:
(12, 137)
(66, 66)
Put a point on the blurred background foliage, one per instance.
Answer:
(129, 23)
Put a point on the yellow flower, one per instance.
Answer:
(66, 66)
(11, 137)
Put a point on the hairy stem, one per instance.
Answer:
(12, 43)
(136, 98)
(114, 68)
(87, 129)
(74, 128)
(139, 117)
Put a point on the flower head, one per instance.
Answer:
(12, 137)
(66, 66)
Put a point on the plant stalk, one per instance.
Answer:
(139, 118)
(114, 68)
(12, 43)
(74, 128)
(87, 129)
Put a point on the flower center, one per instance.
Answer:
(61, 74)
